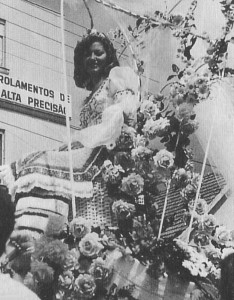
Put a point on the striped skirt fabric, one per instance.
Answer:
(34, 209)
(33, 212)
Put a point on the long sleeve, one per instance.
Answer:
(106, 132)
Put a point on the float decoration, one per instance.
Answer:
(80, 262)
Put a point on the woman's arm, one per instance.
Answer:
(123, 89)
(104, 133)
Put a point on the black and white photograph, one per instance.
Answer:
(116, 150)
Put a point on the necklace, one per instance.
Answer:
(96, 91)
(98, 85)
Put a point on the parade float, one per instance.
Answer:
(132, 259)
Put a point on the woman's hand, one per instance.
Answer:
(74, 145)
(23, 241)
(74, 141)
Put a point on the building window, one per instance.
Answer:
(3, 68)
(2, 154)
(2, 42)
(2, 147)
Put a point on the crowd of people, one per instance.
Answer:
(11, 289)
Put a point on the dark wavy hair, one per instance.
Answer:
(81, 77)
(7, 218)
(227, 278)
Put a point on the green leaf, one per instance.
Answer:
(138, 22)
(175, 68)
(165, 139)
(130, 28)
(181, 73)
(170, 77)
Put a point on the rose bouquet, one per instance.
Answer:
(74, 267)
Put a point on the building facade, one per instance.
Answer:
(32, 101)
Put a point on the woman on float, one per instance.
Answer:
(40, 182)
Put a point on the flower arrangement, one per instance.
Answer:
(74, 267)
(208, 242)
(76, 264)
(172, 126)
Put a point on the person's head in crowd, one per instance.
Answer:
(94, 56)
(7, 219)
(227, 278)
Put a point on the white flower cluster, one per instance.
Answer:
(164, 159)
(198, 266)
(153, 128)
(120, 205)
(149, 109)
(197, 263)
(140, 151)
(111, 173)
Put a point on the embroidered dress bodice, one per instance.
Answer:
(94, 105)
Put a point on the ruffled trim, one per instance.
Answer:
(55, 163)
(35, 205)
(56, 186)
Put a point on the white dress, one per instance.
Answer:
(42, 183)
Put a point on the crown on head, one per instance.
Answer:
(94, 32)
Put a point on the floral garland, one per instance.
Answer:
(75, 263)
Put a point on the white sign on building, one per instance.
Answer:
(34, 96)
